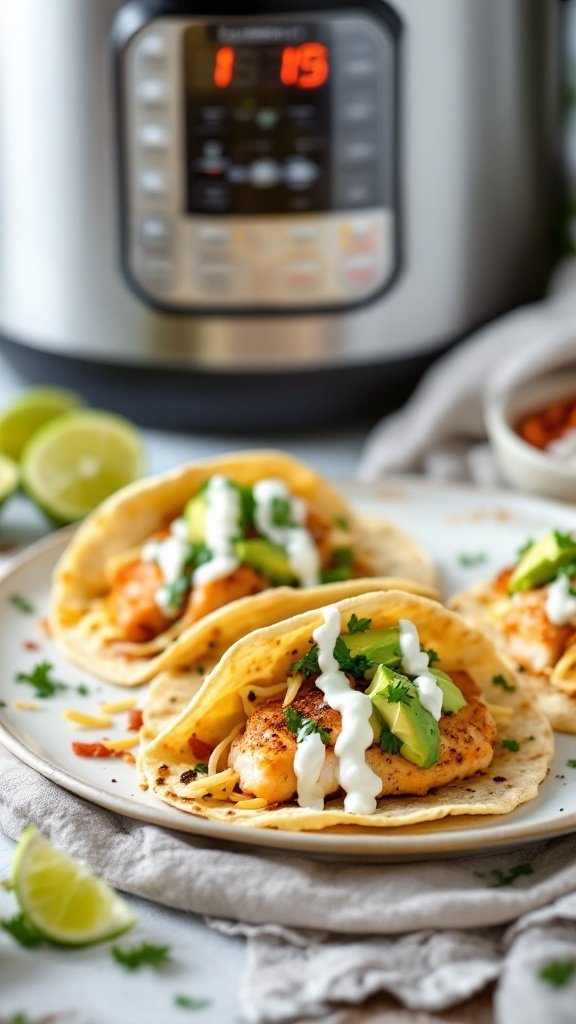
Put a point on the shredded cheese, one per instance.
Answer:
(124, 743)
(219, 786)
(222, 748)
(26, 705)
(85, 721)
(252, 696)
(294, 684)
(250, 804)
(500, 714)
(116, 706)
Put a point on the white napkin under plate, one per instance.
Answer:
(323, 935)
(440, 430)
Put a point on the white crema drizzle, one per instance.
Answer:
(170, 553)
(560, 603)
(222, 519)
(415, 663)
(296, 540)
(355, 776)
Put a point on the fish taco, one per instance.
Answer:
(529, 610)
(379, 710)
(171, 690)
(157, 558)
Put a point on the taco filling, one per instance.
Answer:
(362, 713)
(529, 610)
(231, 541)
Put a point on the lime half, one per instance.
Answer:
(78, 459)
(61, 899)
(9, 477)
(30, 412)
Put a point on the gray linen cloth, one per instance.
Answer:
(322, 935)
(440, 430)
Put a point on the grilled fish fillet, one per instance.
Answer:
(263, 755)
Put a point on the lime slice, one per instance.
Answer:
(30, 412)
(9, 477)
(78, 459)
(61, 899)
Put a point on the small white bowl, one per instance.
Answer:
(521, 464)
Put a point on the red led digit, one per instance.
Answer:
(224, 66)
(304, 66)
(313, 65)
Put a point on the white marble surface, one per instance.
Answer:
(88, 986)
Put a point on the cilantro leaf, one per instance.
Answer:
(502, 878)
(398, 693)
(389, 743)
(571, 763)
(301, 726)
(467, 561)
(563, 540)
(341, 522)
(432, 656)
(175, 593)
(22, 931)
(201, 767)
(355, 664)
(247, 508)
(197, 555)
(502, 682)
(190, 1002)
(308, 663)
(512, 745)
(139, 956)
(283, 512)
(356, 625)
(40, 678)
(558, 972)
(336, 575)
(22, 604)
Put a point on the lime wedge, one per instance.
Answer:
(9, 477)
(78, 459)
(61, 899)
(30, 412)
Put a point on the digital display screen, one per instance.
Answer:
(258, 117)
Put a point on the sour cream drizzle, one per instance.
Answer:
(560, 603)
(415, 663)
(308, 764)
(222, 519)
(297, 541)
(356, 778)
(170, 553)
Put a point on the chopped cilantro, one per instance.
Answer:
(398, 693)
(356, 625)
(175, 593)
(22, 604)
(41, 679)
(201, 767)
(308, 663)
(501, 878)
(197, 555)
(283, 512)
(22, 931)
(563, 540)
(571, 763)
(340, 568)
(20, 1018)
(3, 704)
(558, 972)
(467, 561)
(337, 575)
(432, 656)
(190, 1002)
(524, 548)
(140, 956)
(512, 745)
(342, 558)
(301, 726)
(569, 571)
(389, 743)
(83, 690)
(247, 508)
(503, 683)
(341, 522)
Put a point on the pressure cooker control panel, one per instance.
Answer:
(259, 161)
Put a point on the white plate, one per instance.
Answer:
(470, 533)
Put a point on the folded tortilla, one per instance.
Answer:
(171, 690)
(554, 692)
(79, 619)
(259, 665)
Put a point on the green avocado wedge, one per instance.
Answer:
(542, 561)
(396, 700)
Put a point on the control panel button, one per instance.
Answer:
(156, 232)
(360, 271)
(216, 278)
(302, 275)
(358, 151)
(359, 189)
(264, 173)
(152, 91)
(158, 274)
(299, 172)
(359, 108)
(359, 68)
(152, 46)
(153, 136)
(153, 182)
(215, 235)
(212, 196)
(304, 234)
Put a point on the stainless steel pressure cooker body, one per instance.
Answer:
(262, 214)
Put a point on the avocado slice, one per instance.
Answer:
(381, 647)
(453, 699)
(542, 561)
(267, 558)
(195, 517)
(415, 727)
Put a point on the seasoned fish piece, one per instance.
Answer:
(532, 640)
(263, 754)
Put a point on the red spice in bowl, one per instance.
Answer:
(548, 424)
